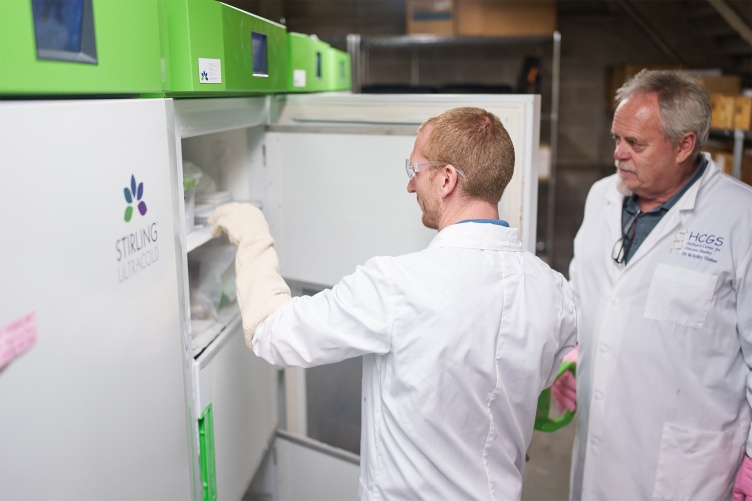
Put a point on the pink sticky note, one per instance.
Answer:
(17, 337)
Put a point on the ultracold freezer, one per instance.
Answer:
(340, 68)
(308, 64)
(211, 48)
(106, 400)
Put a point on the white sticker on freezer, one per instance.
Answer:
(298, 78)
(17, 337)
(209, 71)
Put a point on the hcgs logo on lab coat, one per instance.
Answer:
(697, 244)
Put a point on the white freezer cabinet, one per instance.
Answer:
(108, 401)
(109, 397)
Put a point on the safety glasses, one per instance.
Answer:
(413, 167)
(622, 246)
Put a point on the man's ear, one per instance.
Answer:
(450, 179)
(685, 146)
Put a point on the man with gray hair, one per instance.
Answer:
(662, 277)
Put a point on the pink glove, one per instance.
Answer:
(564, 389)
(743, 484)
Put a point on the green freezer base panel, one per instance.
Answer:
(79, 47)
(212, 49)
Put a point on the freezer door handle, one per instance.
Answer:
(206, 451)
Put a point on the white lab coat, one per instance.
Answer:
(665, 347)
(458, 342)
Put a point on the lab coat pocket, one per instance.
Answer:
(695, 464)
(680, 295)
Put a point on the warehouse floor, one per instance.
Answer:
(547, 470)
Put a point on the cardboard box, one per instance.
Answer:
(723, 159)
(747, 166)
(434, 17)
(544, 161)
(731, 85)
(619, 74)
(723, 111)
(742, 113)
(505, 17)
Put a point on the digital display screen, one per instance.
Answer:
(64, 30)
(58, 23)
(260, 55)
(318, 66)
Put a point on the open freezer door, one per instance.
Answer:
(336, 193)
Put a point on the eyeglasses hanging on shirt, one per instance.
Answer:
(622, 246)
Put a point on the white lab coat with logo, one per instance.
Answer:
(458, 342)
(663, 378)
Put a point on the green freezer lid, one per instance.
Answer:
(340, 69)
(192, 36)
(215, 49)
(79, 47)
(308, 60)
(255, 51)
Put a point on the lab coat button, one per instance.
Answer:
(615, 301)
(597, 395)
(594, 440)
(603, 349)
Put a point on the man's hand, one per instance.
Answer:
(743, 484)
(261, 289)
(564, 389)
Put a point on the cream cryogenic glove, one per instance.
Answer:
(261, 289)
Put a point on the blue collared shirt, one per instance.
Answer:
(646, 221)
(500, 222)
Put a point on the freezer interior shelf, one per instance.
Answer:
(198, 236)
(203, 332)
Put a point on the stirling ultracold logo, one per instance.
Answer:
(137, 249)
(133, 195)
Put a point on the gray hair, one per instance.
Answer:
(684, 102)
